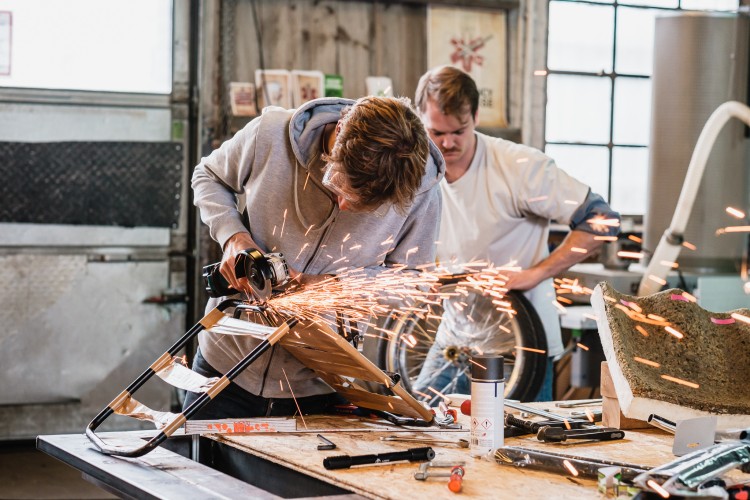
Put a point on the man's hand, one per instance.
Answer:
(234, 245)
(525, 279)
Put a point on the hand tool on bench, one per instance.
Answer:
(561, 463)
(346, 461)
(456, 474)
(461, 443)
(550, 434)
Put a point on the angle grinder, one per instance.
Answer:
(263, 272)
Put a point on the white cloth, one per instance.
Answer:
(500, 211)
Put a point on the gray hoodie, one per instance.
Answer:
(274, 164)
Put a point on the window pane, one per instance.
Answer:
(635, 41)
(578, 108)
(580, 37)
(710, 4)
(588, 164)
(651, 3)
(115, 45)
(632, 120)
(629, 180)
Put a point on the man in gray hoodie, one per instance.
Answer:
(335, 170)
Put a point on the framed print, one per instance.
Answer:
(475, 41)
(242, 99)
(273, 87)
(306, 86)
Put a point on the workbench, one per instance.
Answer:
(289, 465)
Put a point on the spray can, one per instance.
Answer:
(487, 403)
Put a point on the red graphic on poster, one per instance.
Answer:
(468, 53)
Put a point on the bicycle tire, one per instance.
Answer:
(403, 351)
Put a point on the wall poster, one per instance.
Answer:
(474, 40)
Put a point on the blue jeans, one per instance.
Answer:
(545, 392)
(236, 402)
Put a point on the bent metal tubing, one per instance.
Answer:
(208, 321)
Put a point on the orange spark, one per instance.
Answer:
(301, 250)
(647, 362)
(438, 393)
(689, 245)
(635, 238)
(605, 238)
(680, 381)
(674, 332)
(480, 366)
(585, 348)
(741, 317)
(657, 488)
(732, 229)
(657, 279)
(689, 297)
(570, 467)
(673, 265)
(579, 250)
(630, 255)
(530, 349)
(307, 178)
(641, 330)
(735, 212)
(283, 222)
(538, 198)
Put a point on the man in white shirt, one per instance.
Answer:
(498, 201)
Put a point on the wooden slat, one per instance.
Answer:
(317, 354)
(333, 358)
(347, 370)
(377, 402)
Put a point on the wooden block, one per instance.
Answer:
(612, 416)
(606, 383)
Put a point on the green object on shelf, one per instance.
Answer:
(334, 86)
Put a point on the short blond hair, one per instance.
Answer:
(382, 147)
(453, 90)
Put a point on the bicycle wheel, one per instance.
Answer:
(518, 337)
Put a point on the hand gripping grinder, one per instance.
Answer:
(263, 272)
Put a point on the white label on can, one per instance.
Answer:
(486, 417)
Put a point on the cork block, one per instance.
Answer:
(668, 356)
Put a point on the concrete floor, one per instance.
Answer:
(26, 474)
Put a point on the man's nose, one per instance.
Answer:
(447, 142)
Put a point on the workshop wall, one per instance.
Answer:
(356, 40)
(352, 39)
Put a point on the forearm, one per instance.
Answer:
(576, 247)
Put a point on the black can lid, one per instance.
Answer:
(487, 368)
